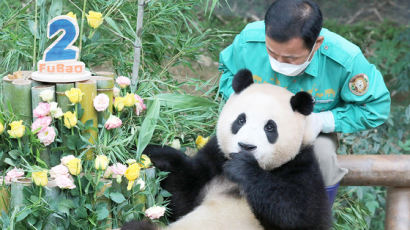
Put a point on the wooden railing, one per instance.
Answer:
(392, 171)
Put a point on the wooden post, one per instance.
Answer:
(398, 208)
(62, 100)
(18, 96)
(105, 85)
(89, 88)
(137, 45)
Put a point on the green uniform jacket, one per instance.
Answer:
(339, 77)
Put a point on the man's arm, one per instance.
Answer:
(367, 100)
(230, 62)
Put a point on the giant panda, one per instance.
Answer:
(256, 173)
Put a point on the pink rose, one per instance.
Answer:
(123, 81)
(101, 102)
(118, 169)
(13, 175)
(65, 182)
(66, 159)
(42, 109)
(59, 170)
(47, 135)
(155, 212)
(41, 123)
(139, 105)
(113, 122)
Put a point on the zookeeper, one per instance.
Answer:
(291, 49)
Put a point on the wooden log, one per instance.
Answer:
(62, 100)
(17, 95)
(35, 94)
(376, 170)
(398, 209)
(89, 88)
(105, 85)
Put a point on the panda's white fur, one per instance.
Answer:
(262, 102)
(269, 187)
(219, 210)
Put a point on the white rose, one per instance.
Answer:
(47, 95)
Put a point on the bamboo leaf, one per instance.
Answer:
(179, 101)
(113, 25)
(148, 126)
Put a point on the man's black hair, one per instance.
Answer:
(287, 19)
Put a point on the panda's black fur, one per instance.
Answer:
(291, 196)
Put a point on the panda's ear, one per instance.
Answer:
(302, 102)
(241, 80)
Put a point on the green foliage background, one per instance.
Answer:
(175, 33)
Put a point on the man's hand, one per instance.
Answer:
(316, 123)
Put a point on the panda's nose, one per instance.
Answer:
(246, 147)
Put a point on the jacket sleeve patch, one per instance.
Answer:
(359, 84)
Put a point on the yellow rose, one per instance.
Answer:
(201, 141)
(101, 162)
(40, 178)
(145, 161)
(132, 173)
(129, 100)
(17, 129)
(119, 103)
(74, 95)
(94, 19)
(72, 15)
(70, 119)
(74, 166)
(1, 128)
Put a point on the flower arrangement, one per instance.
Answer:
(59, 187)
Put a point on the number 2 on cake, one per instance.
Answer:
(62, 48)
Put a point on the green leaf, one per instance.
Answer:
(9, 161)
(14, 154)
(102, 213)
(113, 25)
(23, 214)
(148, 126)
(117, 197)
(65, 205)
(180, 101)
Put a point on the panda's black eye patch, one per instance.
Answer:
(271, 131)
(238, 123)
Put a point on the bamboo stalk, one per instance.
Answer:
(6, 83)
(89, 88)
(105, 85)
(17, 195)
(51, 193)
(137, 45)
(105, 74)
(102, 199)
(62, 100)
(4, 196)
(35, 94)
(18, 96)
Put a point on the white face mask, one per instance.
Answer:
(289, 69)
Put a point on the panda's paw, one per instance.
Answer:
(239, 166)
